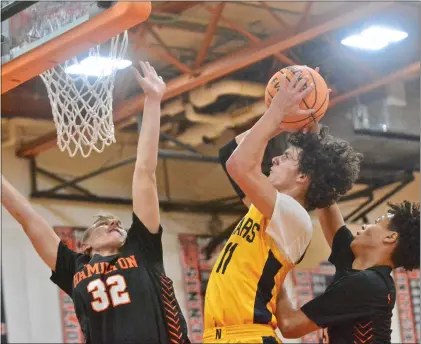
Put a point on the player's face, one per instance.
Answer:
(107, 234)
(284, 171)
(374, 235)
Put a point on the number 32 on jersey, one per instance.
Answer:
(116, 292)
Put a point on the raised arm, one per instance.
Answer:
(41, 234)
(331, 220)
(145, 194)
(244, 165)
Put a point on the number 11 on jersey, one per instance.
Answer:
(226, 257)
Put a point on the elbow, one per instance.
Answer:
(233, 167)
(287, 329)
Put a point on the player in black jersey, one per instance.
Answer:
(357, 305)
(119, 287)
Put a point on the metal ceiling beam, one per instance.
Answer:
(305, 16)
(175, 7)
(332, 20)
(48, 141)
(345, 15)
(411, 71)
(213, 23)
(166, 55)
(253, 38)
(277, 18)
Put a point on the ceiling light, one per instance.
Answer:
(97, 66)
(374, 38)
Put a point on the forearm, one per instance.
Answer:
(292, 322)
(147, 148)
(252, 144)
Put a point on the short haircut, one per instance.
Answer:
(331, 164)
(406, 222)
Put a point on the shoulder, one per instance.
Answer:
(379, 278)
(291, 227)
(290, 213)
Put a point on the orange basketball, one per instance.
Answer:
(318, 99)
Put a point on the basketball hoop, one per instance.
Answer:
(82, 103)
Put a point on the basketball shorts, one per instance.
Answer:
(241, 334)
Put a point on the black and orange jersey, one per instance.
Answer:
(251, 268)
(124, 298)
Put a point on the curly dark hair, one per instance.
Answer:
(406, 222)
(331, 164)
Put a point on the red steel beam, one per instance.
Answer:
(411, 71)
(344, 15)
(216, 15)
(278, 19)
(254, 39)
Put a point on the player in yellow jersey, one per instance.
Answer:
(241, 296)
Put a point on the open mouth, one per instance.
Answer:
(115, 230)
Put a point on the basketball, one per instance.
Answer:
(318, 99)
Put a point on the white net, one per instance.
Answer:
(81, 97)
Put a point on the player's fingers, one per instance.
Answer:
(283, 81)
(300, 85)
(144, 68)
(307, 112)
(305, 92)
(317, 69)
(294, 81)
(150, 68)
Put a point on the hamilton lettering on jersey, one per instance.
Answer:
(247, 229)
(104, 268)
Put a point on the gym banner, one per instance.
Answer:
(71, 329)
(408, 303)
(196, 271)
(310, 283)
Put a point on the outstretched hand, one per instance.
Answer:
(151, 83)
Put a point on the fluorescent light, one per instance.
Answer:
(97, 66)
(374, 38)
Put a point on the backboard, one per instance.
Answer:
(39, 36)
(40, 23)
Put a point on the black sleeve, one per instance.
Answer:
(342, 256)
(224, 154)
(350, 298)
(151, 243)
(65, 268)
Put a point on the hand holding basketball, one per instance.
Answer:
(288, 98)
(151, 83)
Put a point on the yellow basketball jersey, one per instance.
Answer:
(247, 277)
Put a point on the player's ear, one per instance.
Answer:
(391, 237)
(303, 179)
